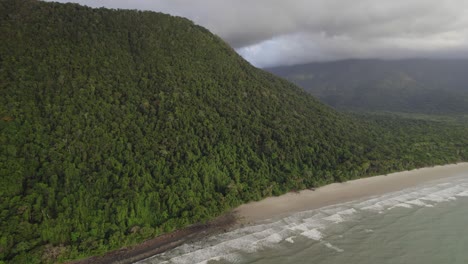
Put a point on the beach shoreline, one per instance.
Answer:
(336, 193)
(281, 206)
(163, 243)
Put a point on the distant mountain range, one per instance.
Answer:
(414, 85)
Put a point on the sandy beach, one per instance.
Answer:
(344, 192)
(276, 207)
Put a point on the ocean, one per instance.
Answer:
(421, 225)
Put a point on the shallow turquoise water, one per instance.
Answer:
(404, 235)
(426, 224)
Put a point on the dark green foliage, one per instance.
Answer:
(411, 86)
(117, 126)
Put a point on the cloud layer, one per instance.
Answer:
(274, 32)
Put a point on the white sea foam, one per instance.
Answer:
(348, 212)
(336, 218)
(463, 194)
(402, 205)
(420, 197)
(418, 202)
(273, 238)
(313, 234)
(308, 224)
(330, 246)
(211, 259)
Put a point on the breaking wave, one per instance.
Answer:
(311, 225)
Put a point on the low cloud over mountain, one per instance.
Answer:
(275, 32)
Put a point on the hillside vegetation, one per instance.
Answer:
(411, 86)
(118, 126)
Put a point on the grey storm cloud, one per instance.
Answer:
(274, 32)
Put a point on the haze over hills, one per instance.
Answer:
(117, 126)
(430, 86)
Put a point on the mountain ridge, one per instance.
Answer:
(431, 86)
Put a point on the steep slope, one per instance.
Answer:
(414, 86)
(116, 126)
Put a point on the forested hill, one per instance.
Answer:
(430, 86)
(117, 126)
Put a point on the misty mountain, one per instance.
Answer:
(413, 85)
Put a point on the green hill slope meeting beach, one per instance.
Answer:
(406, 217)
(119, 126)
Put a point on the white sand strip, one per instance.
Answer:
(344, 192)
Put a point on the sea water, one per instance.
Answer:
(426, 224)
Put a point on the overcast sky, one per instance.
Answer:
(280, 32)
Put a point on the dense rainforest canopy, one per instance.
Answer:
(117, 126)
(429, 86)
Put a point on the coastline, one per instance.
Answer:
(336, 193)
(163, 243)
(279, 206)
